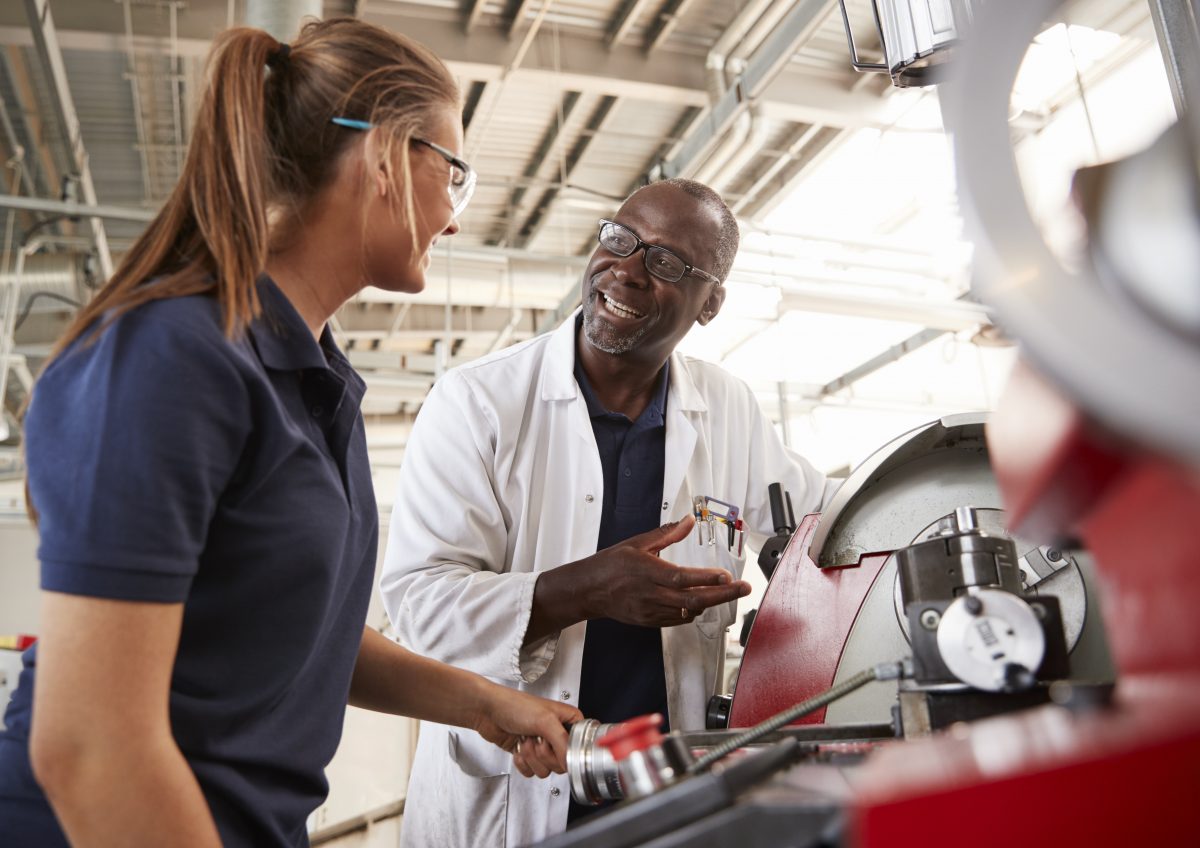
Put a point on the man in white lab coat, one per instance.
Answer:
(526, 543)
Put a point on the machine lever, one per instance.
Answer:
(781, 516)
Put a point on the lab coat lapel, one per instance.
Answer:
(558, 380)
(685, 474)
(684, 403)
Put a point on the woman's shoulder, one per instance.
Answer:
(162, 339)
(196, 316)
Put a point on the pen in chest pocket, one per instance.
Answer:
(711, 512)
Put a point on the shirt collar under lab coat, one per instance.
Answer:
(558, 375)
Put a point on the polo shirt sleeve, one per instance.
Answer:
(130, 442)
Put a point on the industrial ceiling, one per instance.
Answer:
(568, 106)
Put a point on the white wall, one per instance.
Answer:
(18, 576)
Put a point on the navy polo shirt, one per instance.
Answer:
(622, 674)
(170, 464)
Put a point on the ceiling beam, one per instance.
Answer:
(45, 37)
(875, 363)
(786, 171)
(76, 210)
(16, 151)
(541, 212)
(506, 232)
(936, 315)
(473, 15)
(665, 22)
(14, 65)
(624, 20)
(518, 17)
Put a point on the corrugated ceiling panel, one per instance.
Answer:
(104, 103)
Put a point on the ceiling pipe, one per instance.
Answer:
(723, 65)
(735, 62)
(754, 140)
(57, 272)
(16, 148)
(770, 58)
(714, 62)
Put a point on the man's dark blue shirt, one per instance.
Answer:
(622, 674)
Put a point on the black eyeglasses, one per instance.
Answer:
(659, 261)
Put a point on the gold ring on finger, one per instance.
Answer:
(683, 613)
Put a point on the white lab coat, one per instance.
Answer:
(501, 480)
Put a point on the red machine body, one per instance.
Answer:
(804, 621)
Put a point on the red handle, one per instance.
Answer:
(637, 734)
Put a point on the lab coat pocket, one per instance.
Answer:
(477, 757)
(714, 620)
(483, 784)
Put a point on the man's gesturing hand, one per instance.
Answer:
(631, 584)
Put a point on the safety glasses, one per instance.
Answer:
(462, 175)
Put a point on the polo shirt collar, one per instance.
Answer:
(558, 373)
(653, 415)
(283, 340)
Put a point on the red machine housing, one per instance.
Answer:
(799, 631)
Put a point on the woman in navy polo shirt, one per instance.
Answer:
(198, 467)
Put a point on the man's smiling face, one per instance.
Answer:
(629, 312)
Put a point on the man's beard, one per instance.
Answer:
(604, 336)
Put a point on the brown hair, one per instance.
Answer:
(263, 145)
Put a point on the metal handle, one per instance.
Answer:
(857, 63)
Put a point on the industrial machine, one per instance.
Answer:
(969, 616)
(834, 605)
(982, 622)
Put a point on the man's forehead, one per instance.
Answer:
(659, 197)
(671, 213)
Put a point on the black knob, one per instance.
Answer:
(717, 716)
(1017, 678)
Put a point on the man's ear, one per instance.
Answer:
(712, 305)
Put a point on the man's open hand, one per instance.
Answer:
(628, 582)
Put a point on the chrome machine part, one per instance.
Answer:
(882, 671)
(592, 769)
(968, 558)
(987, 637)
(645, 772)
(1065, 321)
(991, 639)
(1044, 570)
